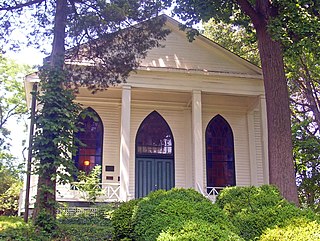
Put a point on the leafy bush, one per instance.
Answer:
(10, 222)
(101, 217)
(250, 199)
(10, 185)
(75, 232)
(122, 220)
(199, 230)
(296, 230)
(14, 229)
(254, 209)
(89, 184)
(164, 214)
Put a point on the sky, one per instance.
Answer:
(18, 134)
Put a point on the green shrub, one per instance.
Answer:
(15, 229)
(75, 232)
(9, 199)
(254, 209)
(251, 199)
(102, 217)
(199, 230)
(296, 230)
(171, 212)
(122, 220)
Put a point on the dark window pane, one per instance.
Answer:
(91, 135)
(154, 136)
(220, 153)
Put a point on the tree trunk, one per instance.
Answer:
(46, 192)
(281, 166)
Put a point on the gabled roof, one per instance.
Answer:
(200, 55)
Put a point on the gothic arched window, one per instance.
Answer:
(89, 153)
(219, 154)
(154, 137)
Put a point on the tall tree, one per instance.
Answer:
(105, 41)
(300, 76)
(260, 15)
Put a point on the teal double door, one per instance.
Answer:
(153, 174)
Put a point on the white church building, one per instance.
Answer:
(192, 116)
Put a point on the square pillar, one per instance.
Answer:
(252, 149)
(264, 132)
(125, 142)
(197, 141)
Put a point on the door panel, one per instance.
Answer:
(153, 174)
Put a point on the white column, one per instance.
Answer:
(125, 142)
(252, 149)
(197, 139)
(264, 132)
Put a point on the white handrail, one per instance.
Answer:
(212, 194)
(109, 192)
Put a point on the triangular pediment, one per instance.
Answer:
(200, 55)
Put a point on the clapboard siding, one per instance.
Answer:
(237, 119)
(110, 116)
(258, 145)
(176, 121)
(181, 54)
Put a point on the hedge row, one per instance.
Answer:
(240, 213)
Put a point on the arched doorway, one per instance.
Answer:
(154, 165)
(220, 162)
(89, 155)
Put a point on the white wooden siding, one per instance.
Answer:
(237, 119)
(110, 116)
(179, 53)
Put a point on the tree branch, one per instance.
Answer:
(249, 10)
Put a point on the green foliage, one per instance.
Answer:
(307, 161)
(10, 185)
(250, 199)
(87, 225)
(296, 230)
(9, 199)
(12, 105)
(56, 124)
(89, 184)
(10, 222)
(234, 38)
(45, 222)
(171, 212)
(101, 217)
(15, 229)
(12, 96)
(75, 232)
(53, 142)
(297, 27)
(252, 210)
(199, 230)
(122, 220)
